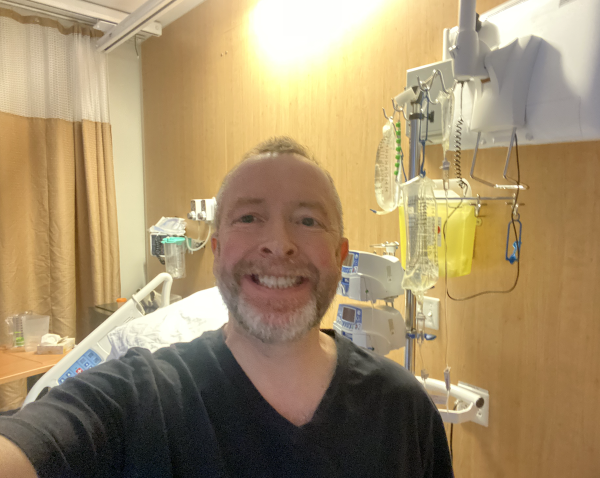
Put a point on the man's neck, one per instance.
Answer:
(291, 376)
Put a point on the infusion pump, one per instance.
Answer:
(380, 329)
(369, 277)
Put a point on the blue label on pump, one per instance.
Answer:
(345, 283)
(349, 317)
(350, 264)
(88, 360)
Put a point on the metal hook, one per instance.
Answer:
(399, 109)
(515, 208)
(487, 183)
(516, 254)
(516, 214)
(426, 85)
(478, 206)
(423, 84)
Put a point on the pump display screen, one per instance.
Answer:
(348, 314)
(349, 260)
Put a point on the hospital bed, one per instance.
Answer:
(130, 327)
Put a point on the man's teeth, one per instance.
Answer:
(278, 282)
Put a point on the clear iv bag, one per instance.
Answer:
(447, 103)
(420, 213)
(386, 188)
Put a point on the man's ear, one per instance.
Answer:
(214, 244)
(344, 248)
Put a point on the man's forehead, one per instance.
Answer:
(283, 171)
(292, 177)
(279, 161)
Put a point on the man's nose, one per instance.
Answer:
(278, 241)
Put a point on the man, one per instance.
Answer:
(269, 395)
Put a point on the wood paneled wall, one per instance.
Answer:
(210, 95)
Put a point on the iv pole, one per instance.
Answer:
(413, 171)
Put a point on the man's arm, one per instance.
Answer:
(102, 421)
(13, 461)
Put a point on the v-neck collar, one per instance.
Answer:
(243, 383)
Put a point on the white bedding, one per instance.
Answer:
(179, 322)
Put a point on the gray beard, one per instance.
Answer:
(283, 323)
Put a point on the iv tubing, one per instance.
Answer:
(411, 301)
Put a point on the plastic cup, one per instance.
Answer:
(34, 327)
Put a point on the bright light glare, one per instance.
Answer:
(288, 30)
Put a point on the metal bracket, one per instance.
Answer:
(515, 206)
(483, 413)
(487, 183)
(478, 205)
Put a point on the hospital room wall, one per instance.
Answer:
(210, 94)
(125, 102)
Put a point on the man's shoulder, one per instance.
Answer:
(372, 370)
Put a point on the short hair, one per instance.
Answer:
(275, 146)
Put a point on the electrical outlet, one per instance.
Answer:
(431, 309)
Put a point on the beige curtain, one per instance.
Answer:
(58, 222)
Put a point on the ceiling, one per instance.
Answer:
(108, 10)
(129, 6)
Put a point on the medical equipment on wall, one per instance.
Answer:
(369, 277)
(460, 224)
(202, 210)
(95, 348)
(377, 328)
(386, 167)
(472, 403)
(545, 90)
(521, 74)
(175, 256)
(421, 225)
(165, 227)
(481, 88)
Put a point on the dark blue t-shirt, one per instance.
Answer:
(190, 410)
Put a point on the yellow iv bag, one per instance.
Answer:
(460, 233)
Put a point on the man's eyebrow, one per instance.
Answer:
(247, 201)
(314, 205)
(241, 202)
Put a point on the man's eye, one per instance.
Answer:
(309, 221)
(247, 219)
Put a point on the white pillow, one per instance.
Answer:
(182, 321)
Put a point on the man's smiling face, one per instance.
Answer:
(278, 250)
